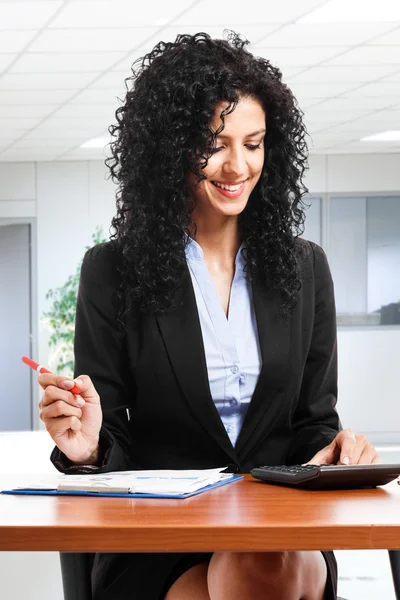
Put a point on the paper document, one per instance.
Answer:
(169, 482)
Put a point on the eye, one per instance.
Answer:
(253, 147)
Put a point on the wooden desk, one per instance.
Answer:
(246, 515)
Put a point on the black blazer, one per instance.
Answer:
(153, 384)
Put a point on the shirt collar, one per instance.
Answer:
(194, 251)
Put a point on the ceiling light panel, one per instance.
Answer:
(346, 74)
(258, 11)
(384, 136)
(118, 13)
(356, 11)
(91, 40)
(15, 41)
(325, 34)
(27, 15)
(369, 55)
(45, 81)
(295, 57)
(65, 62)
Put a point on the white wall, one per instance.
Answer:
(69, 199)
(369, 382)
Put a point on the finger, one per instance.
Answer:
(53, 394)
(58, 427)
(87, 389)
(46, 379)
(368, 456)
(59, 409)
(361, 444)
(347, 442)
(327, 455)
(60, 381)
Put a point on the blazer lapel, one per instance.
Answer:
(267, 399)
(181, 331)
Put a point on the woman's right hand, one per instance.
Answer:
(73, 422)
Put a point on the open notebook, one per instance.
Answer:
(130, 484)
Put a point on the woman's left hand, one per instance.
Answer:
(348, 448)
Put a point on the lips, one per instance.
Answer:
(230, 193)
(228, 184)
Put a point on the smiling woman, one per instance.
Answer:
(205, 329)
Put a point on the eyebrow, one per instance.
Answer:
(247, 135)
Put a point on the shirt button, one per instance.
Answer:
(234, 369)
(233, 402)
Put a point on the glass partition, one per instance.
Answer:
(364, 255)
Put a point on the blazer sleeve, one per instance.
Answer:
(99, 353)
(315, 422)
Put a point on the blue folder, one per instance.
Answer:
(30, 492)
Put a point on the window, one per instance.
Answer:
(364, 255)
(312, 224)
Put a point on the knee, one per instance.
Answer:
(266, 565)
(274, 569)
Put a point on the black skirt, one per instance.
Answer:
(149, 576)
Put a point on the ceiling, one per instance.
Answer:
(63, 65)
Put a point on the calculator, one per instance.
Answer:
(328, 477)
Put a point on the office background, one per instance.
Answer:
(62, 69)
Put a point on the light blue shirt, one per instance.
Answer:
(231, 344)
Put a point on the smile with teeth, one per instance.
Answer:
(229, 188)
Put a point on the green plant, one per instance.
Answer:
(61, 316)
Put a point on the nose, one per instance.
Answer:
(235, 163)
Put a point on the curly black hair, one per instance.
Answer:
(163, 133)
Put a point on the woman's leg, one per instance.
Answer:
(191, 585)
(254, 576)
(267, 575)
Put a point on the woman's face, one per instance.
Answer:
(236, 163)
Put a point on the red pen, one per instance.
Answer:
(36, 367)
